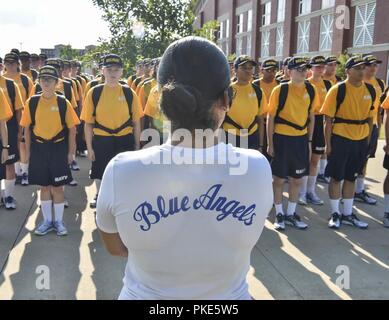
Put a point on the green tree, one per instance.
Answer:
(68, 53)
(341, 70)
(163, 22)
(209, 30)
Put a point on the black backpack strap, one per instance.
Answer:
(373, 94)
(282, 98)
(341, 94)
(228, 119)
(11, 92)
(67, 88)
(25, 83)
(96, 94)
(38, 89)
(257, 83)
(129, 98)
(339, 79)
(62, 106)
(32, 107)
(381, 83)
(34, 74)
(384, 95)
(311, 93)
(327, 84)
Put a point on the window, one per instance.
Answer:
(224, 36)
(281, 11)
(240, 23)
(303, 36)
(239, 46)
(248, 50)
(266, 14)
(250, 21)
(326, 29)
(227, 28)
(265, 43)
(304, 7)
(221, 30)
(327, 4)
(364, 24)
(280, 42)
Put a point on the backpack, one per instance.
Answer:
(62, 106)
(282, 101)
(96, 94)
(25, 83)
(228, 119)
(340, 99)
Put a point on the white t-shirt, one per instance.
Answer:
(189, 228)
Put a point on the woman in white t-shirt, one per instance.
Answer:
(188, 213)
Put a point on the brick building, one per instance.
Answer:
(281, 28)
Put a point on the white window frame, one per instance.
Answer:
(249, 20)
(327, 4)
(281, 10)
(304, 27)
(280, 41)
(265, 44)
(305, 7)
(223, 40)
(266, 17)
(240, 28)
(248, 45)
(239, 46)
(326, 32)
(364, 31)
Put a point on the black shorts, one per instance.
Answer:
(49, 164)
(2, 171)
(318, 140)
(105, 149)
(373, 145)
(347, 158)
(386, 162)
(80, 140)
(291, 156)
(252, 141)
(13, 152)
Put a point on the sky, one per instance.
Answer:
(33, 24)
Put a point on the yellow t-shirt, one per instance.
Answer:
(47, 117)
(153, 110)
(321, 90)
(356, 106)
(111, 111)
(5, 108)
(379, 93)
(18, 79)
(333, 79)
(295, 109)
(144, 92)
(244, 108)
(18, 97)
(385, 104)
(267, 88)
(60, 88)
(29, 74)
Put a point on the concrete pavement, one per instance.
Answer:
(290, 265)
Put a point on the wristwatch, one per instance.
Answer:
(5, 147)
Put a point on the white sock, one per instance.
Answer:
(46, 207)
(18, 169)
(9, 188)
(291, 208)
(279, 208)
(323, 165)
(311, 184)
(348, 207)
(334, 205)
(360, 185)
(58, 211)
(386, 197)
(303, 188)
(24, 167)
(98, 184)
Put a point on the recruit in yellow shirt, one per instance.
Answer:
(244, 108)
(356, 106)
(267, 88)
(153, 110)
(379, 93)
(111, 111)
(60, 88)
(333, 79)
(322, 92)
(47, 117)
(5, 109)
(295, 109)
(18, 79)
(144, 92)
(18, 97)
